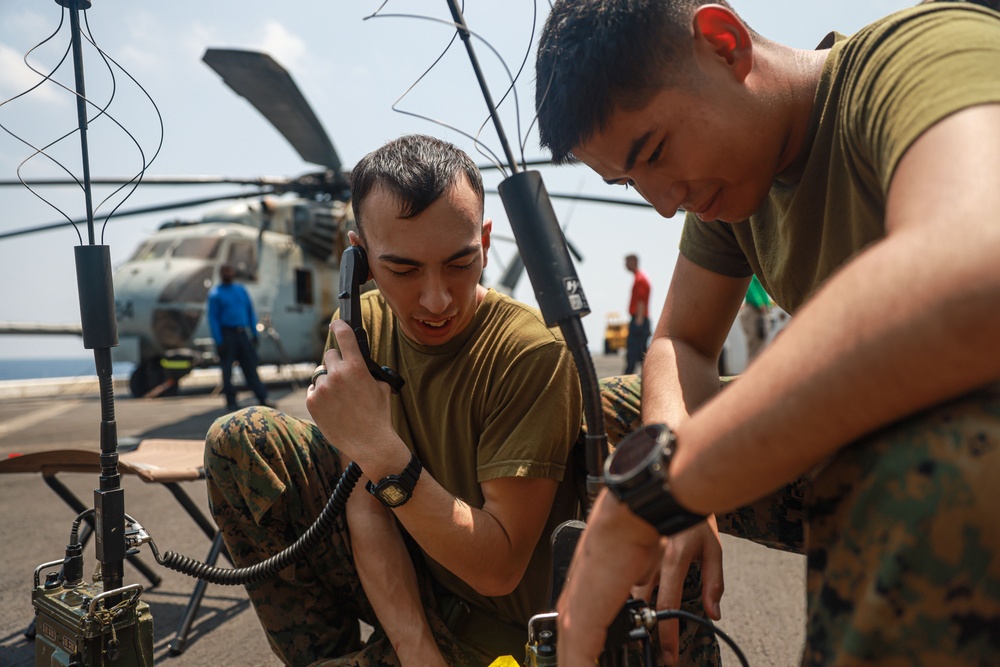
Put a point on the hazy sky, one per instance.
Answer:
(351, 71)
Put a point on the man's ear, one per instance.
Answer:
(487, 230)
(727, 36)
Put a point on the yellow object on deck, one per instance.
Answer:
(505, 661)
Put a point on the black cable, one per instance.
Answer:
(596, 438)
(480, 146)
(74, 532)
(278, 562)
(668, 614)
(137, 179)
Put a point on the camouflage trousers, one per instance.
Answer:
(269, 477)
(903, 539)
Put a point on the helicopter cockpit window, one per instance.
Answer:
(242, 256)
(151, 250)
(198, 248)
(303, 287)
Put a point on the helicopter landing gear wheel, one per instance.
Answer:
(146, 377)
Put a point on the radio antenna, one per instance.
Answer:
(463, 32)
(100, 333)
(74, 7)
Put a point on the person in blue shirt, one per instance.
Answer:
(231, 316)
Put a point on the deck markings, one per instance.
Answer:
(32, 418)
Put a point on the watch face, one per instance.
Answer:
(392, 495)
(633, 451)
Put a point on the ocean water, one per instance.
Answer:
(26, 369)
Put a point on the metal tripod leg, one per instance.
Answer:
(192, 509)
(179, 642)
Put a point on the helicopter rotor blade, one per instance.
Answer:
(573, 250)
(591, 198)
(569, 244)
(131, 212)
(157, 180)
(534, 162)
(602, 200)
(270, 89)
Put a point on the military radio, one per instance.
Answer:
(77, 625)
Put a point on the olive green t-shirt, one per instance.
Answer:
(880, 90)
(501, 399)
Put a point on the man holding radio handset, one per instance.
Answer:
(446, 552)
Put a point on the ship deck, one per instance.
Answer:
(763, 607)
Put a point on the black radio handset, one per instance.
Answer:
(354, 274)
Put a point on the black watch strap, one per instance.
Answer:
(395, 490)
(665, 513)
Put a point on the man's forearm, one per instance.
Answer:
(488, 548)
(676, 381)
(389, 579)
(924, 331)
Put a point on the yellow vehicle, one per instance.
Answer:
(616, 333)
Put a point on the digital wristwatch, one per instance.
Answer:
(636, 472)
(394, 490)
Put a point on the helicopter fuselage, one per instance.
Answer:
(161, 292)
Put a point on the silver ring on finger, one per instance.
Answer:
(320, 370)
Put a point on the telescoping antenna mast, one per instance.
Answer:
(100, 334)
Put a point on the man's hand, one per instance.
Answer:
(617, 550)
(352, 409)
(698, 543)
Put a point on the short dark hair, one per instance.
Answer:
(416, 169)
(597, 55)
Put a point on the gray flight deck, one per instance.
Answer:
(763, 607)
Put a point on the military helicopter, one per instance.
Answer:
(284, 244)
(285, 250)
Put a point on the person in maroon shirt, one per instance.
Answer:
(638, 307)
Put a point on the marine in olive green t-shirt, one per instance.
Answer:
(880, 90)
(501, 399)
